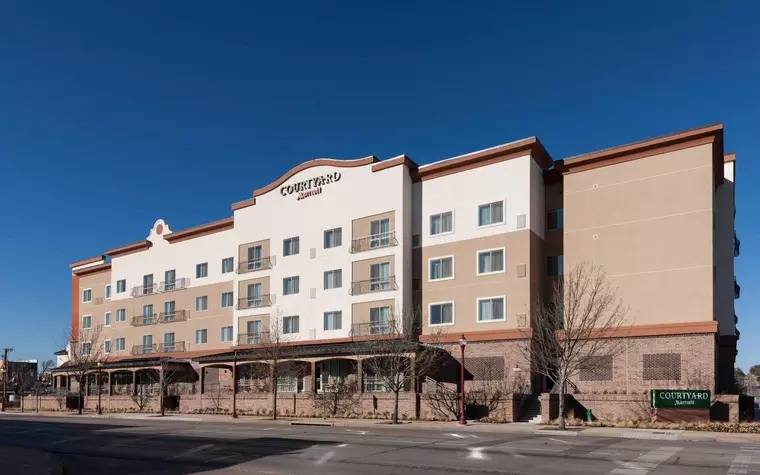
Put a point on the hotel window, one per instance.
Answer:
(148, 284)
(87, 295)
(491, 261)
(147, 344)
(290, 324)
(86, 348)
(228, 265)
(491, 213)
(120, 344)
(201, 270)
(147, 314)
(170, 280)
(169, 344)
(107, 319)
(108, 291)
(333, 320)
(226, 299)
(380, 233)
(290, 285)
(441, 313)
(255, 256)
(380, 276)
(333, 238)
(87, 322)
(121, 315)
(121, 286)
(555, 219)
(442, 268)
(491, 309)
(333, 279)
(290, 246)
(554, 266)
(107, 346)
(442, 223)
(170, 311)
(226, 333)
(201, 303)
(288, 384)
(379, 320)
(201, 336)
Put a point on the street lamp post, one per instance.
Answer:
(100, 382)
(462, 344)
(234, 384)
(5, 383)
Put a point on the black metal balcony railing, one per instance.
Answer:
(176, 284)
(373, 285)
(141, 290)
(253, 338)
(175, 316)
(144, 349)
(175, 347)
(737, 289)
(142, 320)
(256, 265)
(737, 245)
(376, 241)
(370, 329)
(255, 302)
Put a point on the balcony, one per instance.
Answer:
(376, 241)
(256, 264)
(175, 347)
(253, 338)
(144, 349)
(141, 290)
(370, 329)
(373, 285)
(737, 289)
(156, 318)
(255, 302)
(172, 285)
(737, 245)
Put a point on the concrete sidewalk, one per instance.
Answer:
(477, 427)
(14, 460)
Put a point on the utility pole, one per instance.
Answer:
(5, 375)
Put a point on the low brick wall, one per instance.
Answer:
(610, 407)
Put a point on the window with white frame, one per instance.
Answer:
(290, 285)
(201, 270)
(121, 286)
(226, 299)
(491, 309)
(228, 265)
(107, 319)
(201, 303)
(226, 333)
(287, 383)
(255, 257)
(290, 324)
(491, 261)
(333, 238)
(333, 279)
(441, 313)
(107, 346)
(333, 320)
(87, 322)
(108, 291)
(201, 336)
(121, 315)
(491, 213)
(291, 246)
(121, 343)
(86, 348)
(87, 295)
(380, 233)
(441, 268)
(380, 276)
(379, 320)
(442, 223)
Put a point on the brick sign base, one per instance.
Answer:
(680, 415)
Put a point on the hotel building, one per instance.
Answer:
(334, 249)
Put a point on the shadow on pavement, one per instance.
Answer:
(120, 449)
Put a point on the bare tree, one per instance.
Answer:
(44, 378)
(572, 328)
(142, 396)
(23, 379)
(391, 358)
(336, 398)
(86, 351)
(163, 378)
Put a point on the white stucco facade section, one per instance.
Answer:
(181, 256)
(724, 252)
(464, 192)
(358, 193)
(537, 218)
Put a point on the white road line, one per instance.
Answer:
(324, 458)
(560, 440)
(342, 445)
(743, 459)
(649, 461)
(477, 453)
(65, 441)
(192, 451)
(360, 432)
(519, 456)
(223, 457)
(457, 436)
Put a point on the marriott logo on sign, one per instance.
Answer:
(310, 187)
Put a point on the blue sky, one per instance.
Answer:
(114, 114)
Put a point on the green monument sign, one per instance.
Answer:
(680, 398)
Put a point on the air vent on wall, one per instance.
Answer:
(313, 252)
(520, 221)
(313, 293)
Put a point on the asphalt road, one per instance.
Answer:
(116, 447)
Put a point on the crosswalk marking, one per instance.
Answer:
(649, 461)
(744, 459)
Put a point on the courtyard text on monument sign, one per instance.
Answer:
(685, 398)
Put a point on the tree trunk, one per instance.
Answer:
(162, 388)
(561, 421)
(22, 400)
(395, 408)
(274, 401)
(80, 403)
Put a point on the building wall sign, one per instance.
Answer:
(680, 398)
(310, 187)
